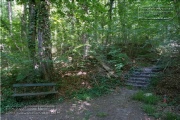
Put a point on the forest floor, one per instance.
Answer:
(116, 105)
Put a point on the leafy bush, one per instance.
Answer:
(151, 99)
(118, 59)
(100, 86)
(8, 104)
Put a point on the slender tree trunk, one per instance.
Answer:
(177, 9)
(9, 8)
(44, 42)
(122, 11)
(32, 30)
(86, 46)
(108, 38)
(123, 24)
(72, 17)
(24, 23)
(85, 36)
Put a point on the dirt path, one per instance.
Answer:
(114, 106)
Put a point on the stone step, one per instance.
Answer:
(139, 79)
(137, 85)
(138, 82)
(139, 73)
(144, 75)
(157, 69)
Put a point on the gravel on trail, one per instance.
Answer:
(117, 105)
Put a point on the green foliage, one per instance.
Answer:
(61, 99)
(101, 86)
(101, 114)
(151, 99)
(171, 116)
(8, 104)
(118, 59)
(154, 81)
(78, 24)
(138, 96)
(87, 94)
(149, 109)
(152, 111)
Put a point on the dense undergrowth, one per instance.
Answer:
(93, 44)
(154, 105)
(96, 75)
(162, 99)
(84, 80)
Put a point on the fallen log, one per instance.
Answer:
(110, 72)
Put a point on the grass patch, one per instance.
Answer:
(130, 87)
(87, 94)
(171, 116)
(101, 114)
(138, 96)
(151, 99)
(150, 104)
(101, 86)
(149, 109)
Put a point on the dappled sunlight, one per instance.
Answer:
(79, 107)
(74, 51)
(53, 111)
(74, 73)
(81, 73)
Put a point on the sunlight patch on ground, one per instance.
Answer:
(79, 107)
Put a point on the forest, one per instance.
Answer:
(89, 47)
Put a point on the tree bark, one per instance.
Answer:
(122, 12)
(108, 38)
(32, 30)
(177, 9)
(9, 8)
(24, 23)
(44, 42)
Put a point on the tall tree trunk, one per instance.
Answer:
(86, 45)
(72, 16)
(124, 24)
(177, 9)
(122, 11)
(9, 8)
(84, 34)
(108, 38)
(32, 30)
(44, 42)
(24, 23)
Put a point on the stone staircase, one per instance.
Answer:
(140, 77)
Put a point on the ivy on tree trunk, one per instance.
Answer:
(32, 30)
(44, 42)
